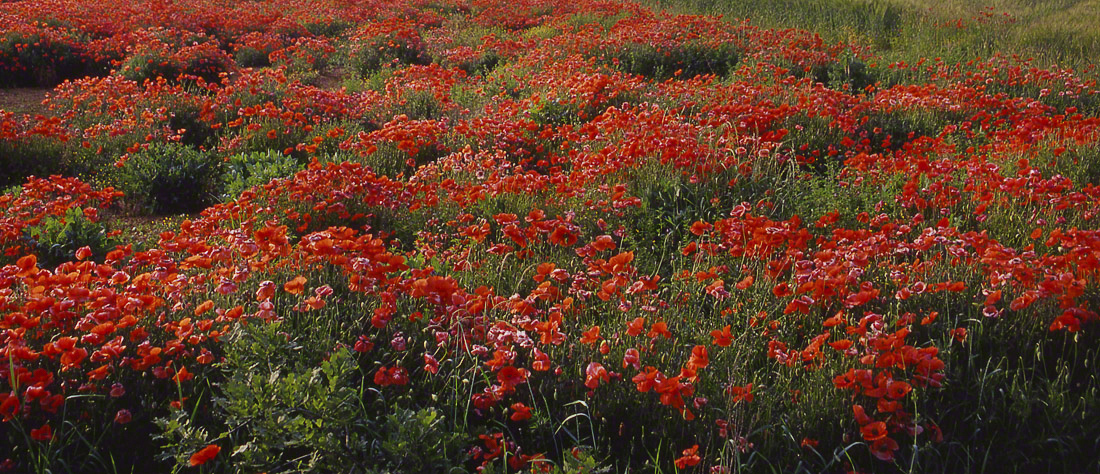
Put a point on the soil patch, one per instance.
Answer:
(24, 100)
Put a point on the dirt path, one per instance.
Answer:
(331, 78)
(23, 100)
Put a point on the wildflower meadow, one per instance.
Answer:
(596, 236)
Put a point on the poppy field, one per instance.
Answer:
(367, 236)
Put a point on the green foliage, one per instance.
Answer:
(246, 170)
(381, 52)
(148, 65)
(685, 61)
(38, 60)
(1043, 385)
(284, 407)
(186, 120)
(553, 112)
(33, 156)
(418, 441)
(251, 57)
(56, 239)
(328, 27)
(170, 178)
(205, 61)
(416, 105)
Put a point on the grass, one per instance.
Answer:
(1053, 32)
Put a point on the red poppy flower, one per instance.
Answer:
(632, 358)
(123, 416)
(873, 431)
(205, 455)
(42, 433)
(590, 336)
(722, 338)
(741, 393)
(520, 412)
(431, 365)
(690, 458)
(659, 328)
(83, 252)
(509, 377)
(699, 358)
(635, 327)
(562, 236)
(648, 380)
(700, 227)
(604, 242)
(883, 448)
(594, 373)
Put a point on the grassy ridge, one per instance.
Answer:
(1063, 31)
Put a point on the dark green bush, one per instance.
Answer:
(186, 116)
(376, 53)
(690, 59)
(150, 64)
(37, 59)
(170, 179)
(205, 61)
(251, 57)
(35, 156)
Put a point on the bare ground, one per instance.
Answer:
(23, 100)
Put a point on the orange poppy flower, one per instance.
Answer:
(659, 328)
(604, 242)
(205, 455)
(699, 358)
(722, 338)
(648, 380)
(204, 307)
(295, 286)
(745, 282)
(28, 265)
(741, 393)
(590, 336)
(690, 458)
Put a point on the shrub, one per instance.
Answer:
(204, 61)
(384, 44)
(246, 170)
(285, 411)
(684, 61)
(170, 178)
(149, 64)
(39, 58)
(161, 54)
(29, 156)
(56, 239)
